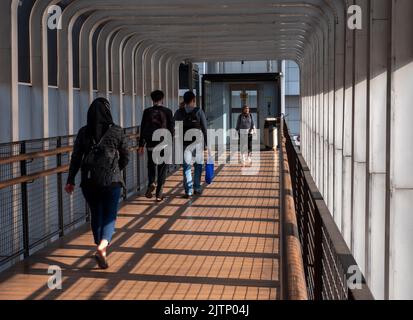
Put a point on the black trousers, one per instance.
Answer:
(243, 150)
(152, 174)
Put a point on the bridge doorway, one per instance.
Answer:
(224, 95)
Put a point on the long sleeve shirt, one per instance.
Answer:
(245, 122)
(201, 118)
(148, 128)
(115, 140)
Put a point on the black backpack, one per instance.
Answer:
(100, 163)
(158, 119)
(190, 121)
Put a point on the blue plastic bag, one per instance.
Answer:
(209, 170)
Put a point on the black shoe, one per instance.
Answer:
(148, 193)
(101, 261)
(198, 193)
(187, 196)
(159, 198)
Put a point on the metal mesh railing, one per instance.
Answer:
(33, 205)
(330, 269)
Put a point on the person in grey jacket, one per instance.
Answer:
(246, 128)
(101, 153)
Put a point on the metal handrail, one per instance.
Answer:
(331, 271)
(43, 154)
(26, 164)
(35, 155)
(293, 276)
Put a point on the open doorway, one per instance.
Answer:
(244, 95)
(224, 95)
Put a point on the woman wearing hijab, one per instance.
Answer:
(101, 153)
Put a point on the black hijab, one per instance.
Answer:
(99, 118)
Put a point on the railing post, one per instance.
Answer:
(305, 241)
(318, 256)
(25, 203)
(301, 200)
(60, 190)
(283, 265)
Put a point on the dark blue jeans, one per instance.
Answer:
(104, 205)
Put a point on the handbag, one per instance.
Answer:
(209, 168)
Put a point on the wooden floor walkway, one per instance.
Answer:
(222, 245)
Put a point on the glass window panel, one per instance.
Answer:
(252, 100)
(236, 99)
(234, 120)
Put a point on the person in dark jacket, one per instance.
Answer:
(101, 134)
(154, 118)
(190, 112)
(246, 128)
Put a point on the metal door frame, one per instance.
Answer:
(244, 88)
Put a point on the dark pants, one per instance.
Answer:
(103, 204)
(162, 172)
(242, 150)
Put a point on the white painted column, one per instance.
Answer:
(311, 141)
(175, 72)
(39, 69)
(66, 112)
(103, 59)
(379, 27)
(360, 138)
(148, 74)
(338, 124)
(9, 121)
(331, 113)
(315, 88)
(129, 70)
(348, 138)
(313, 138)
(319, 118)
(169, 84)
(156, 69)
(117, 75)
(140, 78)
(303, 110)
(86, 62)
(325, 117)
(401, 173)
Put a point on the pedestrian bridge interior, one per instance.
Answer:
(330, 219)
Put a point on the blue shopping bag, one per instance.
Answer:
(209, 169)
